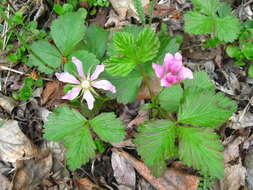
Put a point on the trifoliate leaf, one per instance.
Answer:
(44, 56)
(196, 23)
(147, 45)
(127, 93)
(208, 7)
(205, 109)
(68, 30)
(96, 45)
(108, 127)
(156, 143)
(170, 98)
(200, 80)
(201, 149)
(68, 125)
(227, 28)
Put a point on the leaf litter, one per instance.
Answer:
(44, 165)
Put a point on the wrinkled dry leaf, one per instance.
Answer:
(249, 167)
(14, 144)
(173, 178)
(7, 103)
(231, 151)
(85, 184)
(234, 177)
(5, 184)
(125, 8)
(143, 115)
(52, 92)
(124, 173)
(144, 185)
(241, 120)
(126, 143)
(31, 172)
(180, 180)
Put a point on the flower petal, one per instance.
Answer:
(159, 70)
(72, 94)
(178, 57)
(105, 85)
(185, 73)
(89, 99)
(79, 66)
(99, 69)
(67, 78)
(165, 83)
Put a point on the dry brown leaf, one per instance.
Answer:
(154, 85)
(143, 115)
(14, 144)
(249, 166)
(7, 103)
(241, 120)
(124, 173)
(85, 184)
(231, 151)
(125, 143)
(125, 8)
(31, 172)
(5, 183)
(234, 177)
(180, 180)
(173, 178)
(52, 92)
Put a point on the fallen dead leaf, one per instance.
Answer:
(234, 177)
(231, 151)
(126, 143)
(85, 184)
(241, 120)
(5, 183)
(53, 91)
(14, 144)
(173, 178)
(7, 103)
(124, 173)
(31, 172)
(100, 18)
(143, 115)
(154, 85)
(249, 167)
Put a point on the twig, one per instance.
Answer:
(143, 170)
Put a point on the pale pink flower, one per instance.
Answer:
(172, 71)
(85, 84)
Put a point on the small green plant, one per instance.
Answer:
(205, 182)
(101, 3)
(186, 117)
(212, 17)
(243, 51)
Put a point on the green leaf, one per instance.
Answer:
(209, 7)
(68, 30)
(250, 70)
(156, 143)
(227, 28)
(25, 93)
(88, 59)
(119, 66)
(201, 149)
(28, 82)
(224, 9)
(139, 8)
(201, 81)
(170, 98)
(130, 50)
(44, 56)
(234, 52)
(147, 45)
(58, 9)
(196, 23)
(68, 125)
(127, 93)
(96, 45)
(247, 50)
(108, 127)
(205, 108)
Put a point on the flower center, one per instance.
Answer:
(85, 84)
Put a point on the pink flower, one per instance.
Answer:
(172, 71)
(85, 84)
